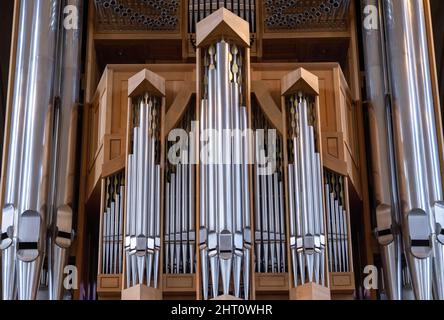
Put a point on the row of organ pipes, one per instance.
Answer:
(112, 225)
(270, 232)
(143, 218)
(305, 191)
(337, 222)
(404, 145)
(180, 201)
(224, 235)
(41, 150)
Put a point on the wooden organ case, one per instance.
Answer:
(129, 60)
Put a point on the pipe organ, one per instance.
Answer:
(218, 153)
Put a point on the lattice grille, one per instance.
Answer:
(137, 15)
(306, 14)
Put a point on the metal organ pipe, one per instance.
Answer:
(142, 244)
(415, 143)
(383, 162)
(225, 222)
(269, 214)
(307, 234)
(42, 136)
(180, 202)
(66, 149)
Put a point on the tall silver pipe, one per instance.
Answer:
(415, 140)
(383, 162)
(13, 161)
(35, 122)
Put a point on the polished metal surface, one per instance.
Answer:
(306, 204)
(142, 244)
(405, 149)
(40, 160)
(225, 236)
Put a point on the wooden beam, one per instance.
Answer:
(267, 104)
(179, 106)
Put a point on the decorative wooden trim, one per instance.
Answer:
(146, 81)
(300, 80)
(222, 23)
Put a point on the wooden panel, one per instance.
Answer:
(271, 282)
(179, 283)
(109, 287)
(342, 282)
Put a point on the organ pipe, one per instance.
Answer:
(305, 187)
(225, 235)
(414, 144)
(40, 162)
(143, 214)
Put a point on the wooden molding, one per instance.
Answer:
(146, 81)
(222, 23)
(300, 80)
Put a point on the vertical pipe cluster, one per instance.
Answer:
(307, 231)
(269, 218)
(180, 223)
(337, 223)
(142, 226)
(225, 239)
(38, 190)
(200, 9)
(412, 120)
(383, 158)
(112, 225)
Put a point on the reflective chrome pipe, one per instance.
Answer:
(337, 223)
(269, 237)
(413, 139)
(225, 239)
(112, 241)
(383, 162)
(143, 206)
(306, 205)
(39, 168)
